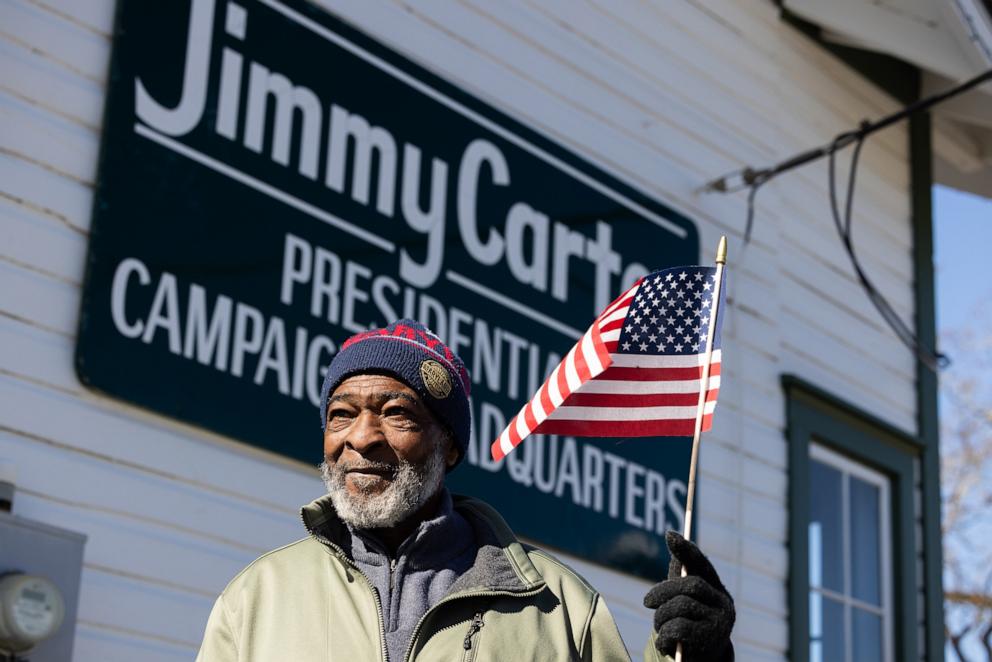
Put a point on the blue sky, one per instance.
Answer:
(962, 245)
(962, 254)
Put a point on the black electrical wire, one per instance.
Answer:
(753, 180)
(843, 224)
(748, 177)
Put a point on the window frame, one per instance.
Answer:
(850, 468)
(815, 417)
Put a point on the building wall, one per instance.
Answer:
(664, 95)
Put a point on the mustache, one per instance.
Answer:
(342, 467)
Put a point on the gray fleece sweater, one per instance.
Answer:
(426, 565)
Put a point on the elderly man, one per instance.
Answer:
(396, 568)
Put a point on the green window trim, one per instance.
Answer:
(814, 415)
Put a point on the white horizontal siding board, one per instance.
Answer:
(764, 443)
(100, 485)
(96, 642)
(718, 502)
(562, 36)
(143, 550)
(40, 242)
(805, 264)
(31, 76)
(100, 426)
(811, 223)
(43, 300)
(768, 594)
(819, 370)
(836, 86)
(852, 346)
(721, 460)
(65, 199)
(882, 204)
(705, 79)
(760, 478)
(48, 139)
(836, 332)
(765, 516)
(61, 40)
(760, 629)
(155, 611)
(94, 15)
(39, 355)
(881, 212)
(575, 86)
(630, 160)
(755, 35)
(761, 555)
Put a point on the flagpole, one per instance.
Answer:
(704, 387)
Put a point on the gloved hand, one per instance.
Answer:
(696, 609)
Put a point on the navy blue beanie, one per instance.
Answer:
(415, 355)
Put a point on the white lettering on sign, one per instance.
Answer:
(561, 466)
(233, 337)
(537, 251)
(227, 335)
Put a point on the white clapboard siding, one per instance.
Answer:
(60, 144)
(665, 96)
(37, 241)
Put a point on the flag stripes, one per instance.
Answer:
(604, 387)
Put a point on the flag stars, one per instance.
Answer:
(643, 346)
(626, 346)
(668, 277)
(653, 337)
(682, 276)
(698, 276)
(707, 286)
(678, 347)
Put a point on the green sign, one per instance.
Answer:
(273, 181)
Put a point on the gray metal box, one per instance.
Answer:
(56, 554)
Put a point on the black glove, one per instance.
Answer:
(696, 609)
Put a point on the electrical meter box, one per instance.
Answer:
(55, 554)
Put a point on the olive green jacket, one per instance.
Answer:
(307, 602)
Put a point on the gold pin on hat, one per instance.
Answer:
(436, 379)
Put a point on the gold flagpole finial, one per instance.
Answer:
(721, 251)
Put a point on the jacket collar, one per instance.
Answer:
(501, 563)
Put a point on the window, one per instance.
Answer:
(853, 583)
(850, 606)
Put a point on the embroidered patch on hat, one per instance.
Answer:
(436, 379)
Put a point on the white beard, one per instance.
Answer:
(411, 487)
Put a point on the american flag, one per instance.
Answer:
(637, 371)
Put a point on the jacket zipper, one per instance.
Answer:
(460, 596)
(473, 628)
(416, 630)
(383, 654)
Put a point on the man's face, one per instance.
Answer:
(384, 452)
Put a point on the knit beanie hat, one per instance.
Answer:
(415, 355)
